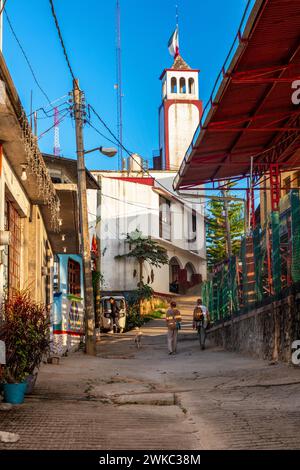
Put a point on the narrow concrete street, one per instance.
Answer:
(145, 399)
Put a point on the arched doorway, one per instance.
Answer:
(190, 271)
(174, 269)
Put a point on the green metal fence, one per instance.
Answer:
(220, 293)
(275, 250)
(230, 289)
(295, 231)
(258, 262)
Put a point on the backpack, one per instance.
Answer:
(172, 324)
(198, 313)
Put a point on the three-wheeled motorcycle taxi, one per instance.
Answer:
(105, 314)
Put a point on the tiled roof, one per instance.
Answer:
(180, 64)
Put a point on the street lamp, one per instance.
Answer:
(107, 151)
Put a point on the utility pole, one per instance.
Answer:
(119, 83)
(98, 237)
(35, 123)
(227, 224)
(90, 337)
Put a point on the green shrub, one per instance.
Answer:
(144, 293)
(134, 318)
(25, 331)
(160, 303)
(155, 314)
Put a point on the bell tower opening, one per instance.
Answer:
(173, 85)
(182, 85)
(191, 86)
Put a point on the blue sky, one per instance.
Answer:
(207, 29)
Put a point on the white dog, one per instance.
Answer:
(138, 337)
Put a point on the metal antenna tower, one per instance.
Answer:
(56, 148)
(119, 84)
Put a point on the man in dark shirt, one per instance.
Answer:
(114, 313)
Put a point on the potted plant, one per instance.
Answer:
(25, 331)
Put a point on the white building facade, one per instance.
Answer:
(133, 199)
(128, 202)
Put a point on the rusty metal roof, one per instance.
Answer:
(250, 111)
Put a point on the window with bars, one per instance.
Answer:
(74, 285)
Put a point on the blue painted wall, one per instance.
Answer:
(68, 313)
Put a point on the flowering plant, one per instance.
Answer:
(25, 330)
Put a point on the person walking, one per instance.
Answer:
(173, 319)
(114, 314)
(201, 321)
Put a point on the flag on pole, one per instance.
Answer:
(173, 44)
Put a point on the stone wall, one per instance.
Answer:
(266, 332)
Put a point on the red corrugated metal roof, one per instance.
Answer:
(252, 110)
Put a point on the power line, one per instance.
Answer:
(46, 113)
(41, 108)
(109, 130)
(142, 168)
(3, 6)
(117, 141)
(61, 39)
(53, 125)
(51, 115)
(128, 203)
(120, 144)
(26, 57)
(138, 163)
(100, 133)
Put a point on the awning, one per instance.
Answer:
(250, 112)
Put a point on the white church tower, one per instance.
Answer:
(179, 113)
